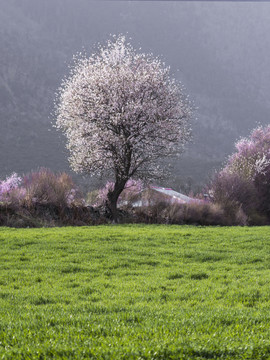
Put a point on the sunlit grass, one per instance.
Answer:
(135, 292)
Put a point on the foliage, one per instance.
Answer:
(252, 157)
(48, 215)
(131, 190)
(235, 194)
(195, 213)
(8, 186)
(45, 187)
(121, 112)
(102, 196)
(42, 186)
(130, 292)
(199, 213)
(244, 183)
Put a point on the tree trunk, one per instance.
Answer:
(113, 197)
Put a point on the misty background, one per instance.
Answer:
(220, 52)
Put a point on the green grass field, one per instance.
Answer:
(135, 292)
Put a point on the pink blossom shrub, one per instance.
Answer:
(45, 187)
(42, 187)
(131, 190)
(252, 157)
(102, 196)
(9, 186)
(244, 183)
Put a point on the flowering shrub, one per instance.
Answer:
(103, 193)
(244, 183)
(132, 188)
(42, 187)
(8, 186)
(252, 157)
(45, 187)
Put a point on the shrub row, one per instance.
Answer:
(48, 215)
(43, 198)
(203, 213)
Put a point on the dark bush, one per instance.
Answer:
(48, 215)
(240, 199)
(196, 213)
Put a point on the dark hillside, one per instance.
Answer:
(221, 51)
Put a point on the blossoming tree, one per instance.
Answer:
(121, 112)
(252, 157)
(245, 179)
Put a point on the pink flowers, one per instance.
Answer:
(253, 155)
(132, 188)
(103, 193)
(41, 187)
(7, 186)
(244, 183)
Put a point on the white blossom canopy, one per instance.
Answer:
(121, 112)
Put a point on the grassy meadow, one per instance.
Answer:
(135, 292)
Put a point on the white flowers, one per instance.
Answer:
(261, 164)
(121, 112)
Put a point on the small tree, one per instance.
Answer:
(121, 112)
(246, 177)
(252, 158)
